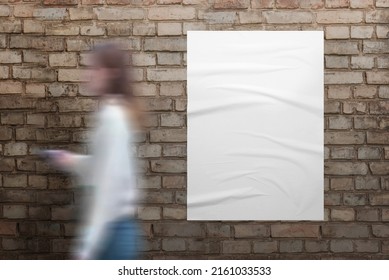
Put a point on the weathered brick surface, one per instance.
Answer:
(265, 247)
(236, 247)
(109, 13)
(294, 230)
(231, 4)
(346, 214)
(345, 230)
(284, 17)
(328, 17)
(247, 231)
(171, 13)
(362, 62)
(44, 51)
(291, 246)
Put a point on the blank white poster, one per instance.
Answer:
(255, 125)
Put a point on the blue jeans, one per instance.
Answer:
(123, 241)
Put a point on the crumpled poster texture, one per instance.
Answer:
(255, 125)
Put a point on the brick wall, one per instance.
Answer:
(44, 46)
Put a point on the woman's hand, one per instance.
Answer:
(61, 158)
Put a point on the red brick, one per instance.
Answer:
(262, 4)
(119, 2)
(118, 29)
(287, 4)
(60, 2)
(92, 2)
(7, 228)
(379, 199)
(23, 10)
(231, 4)
(337, 3)
(10, 26)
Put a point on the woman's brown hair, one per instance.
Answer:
(109, 55)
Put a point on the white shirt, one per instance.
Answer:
(110, 170)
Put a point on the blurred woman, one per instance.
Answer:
(110, 230)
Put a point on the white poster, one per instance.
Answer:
(255, 125)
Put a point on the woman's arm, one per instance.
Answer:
(72, 162)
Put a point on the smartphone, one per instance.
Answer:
(50, 154)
